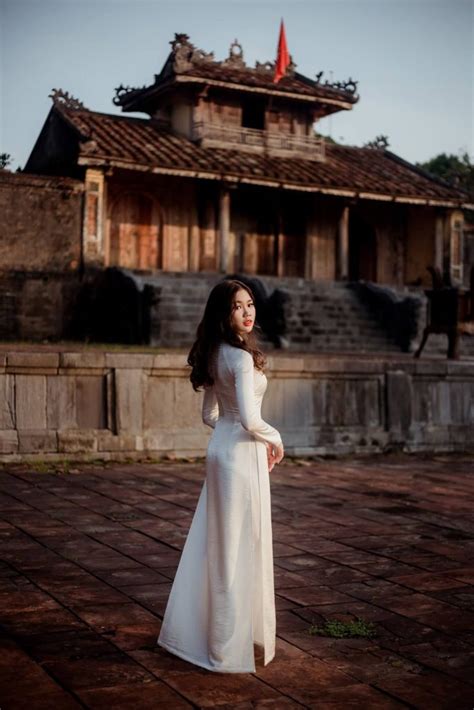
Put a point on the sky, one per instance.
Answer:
(414, 60)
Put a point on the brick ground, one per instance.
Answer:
(89, 554)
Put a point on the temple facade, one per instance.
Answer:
(226, 172)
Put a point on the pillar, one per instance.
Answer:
(342, 251)
(224, 227)
(279, 238)
(193, 236)
(438, 245)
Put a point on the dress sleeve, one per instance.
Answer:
(210, 407)
(249, 415)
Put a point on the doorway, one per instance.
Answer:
(135, 232)
(362, 249)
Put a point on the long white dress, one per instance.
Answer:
(222, 600)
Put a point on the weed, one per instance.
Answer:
(356, 628)
(63, 466)
(42, 467)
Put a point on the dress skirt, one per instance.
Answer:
(222, 601)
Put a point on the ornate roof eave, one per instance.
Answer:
(105, 162)
(63, 102)
(283, 94)
(136, 100)
(185, 57)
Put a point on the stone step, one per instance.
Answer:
(318, 315)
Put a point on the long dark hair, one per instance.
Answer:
(215, 328)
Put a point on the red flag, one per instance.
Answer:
(283, 58)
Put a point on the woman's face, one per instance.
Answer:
(243, 312)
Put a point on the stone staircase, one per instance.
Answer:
(178, 306)
(320, 316)
(328, 316)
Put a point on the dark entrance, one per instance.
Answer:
(362, 249)
(253, 114)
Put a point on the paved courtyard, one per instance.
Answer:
(89, 551)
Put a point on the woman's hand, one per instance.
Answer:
(274, 455)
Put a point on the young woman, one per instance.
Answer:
(222, 600)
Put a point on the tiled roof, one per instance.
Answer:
(186, 63)
(128, 142)
(295, 84)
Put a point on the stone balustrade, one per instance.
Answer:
(98, 404)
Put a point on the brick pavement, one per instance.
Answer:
(88, 555)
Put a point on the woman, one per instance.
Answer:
(222, 600)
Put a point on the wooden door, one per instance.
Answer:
(135, 235)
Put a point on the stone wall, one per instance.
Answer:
(37, 305)
(123, 404)
(40, 254)
(40, 228)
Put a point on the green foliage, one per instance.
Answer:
(5, 160)
(43, 467)
(356, 628)
(328, 139)
(380, 142)
(458, 170)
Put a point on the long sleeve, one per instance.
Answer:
(249, 415)
(210, 407)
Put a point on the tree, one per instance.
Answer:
(457, 170)
(5, 160)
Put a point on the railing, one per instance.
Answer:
(312, 147)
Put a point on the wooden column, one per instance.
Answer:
(193, 234)
(279, 242)
(400, 247)
(438, 242)
(446, 270)
(308, 254)
(224, 227)
(342, 251)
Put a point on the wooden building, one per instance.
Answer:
(227, 173)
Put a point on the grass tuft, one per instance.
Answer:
(356, 628)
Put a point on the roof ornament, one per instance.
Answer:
(185, 54)
(236, 56)
(379, 143)
(64, 98)
(180, 41)
(121, 91)
(350, 86)
(265, 67)
(269, 67)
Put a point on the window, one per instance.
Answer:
(253, 115)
